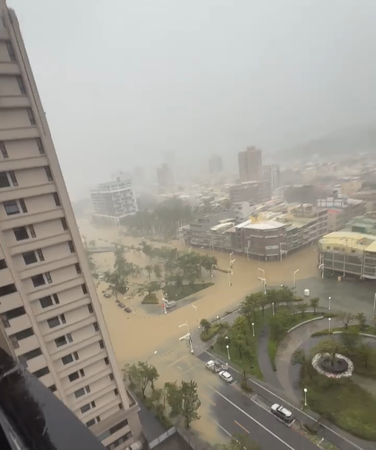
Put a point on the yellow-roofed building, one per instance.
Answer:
(348, 253)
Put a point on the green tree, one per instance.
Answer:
(149, 270)
(314, 302)
(116, 282)
(157, 271)
(141, 375)
(190, 402)
(350, 339)
(302, 307)
(241, 442)
(365, 352)
(248, 307)
(361, 318)
(173, 397)
(346, 318)
(205, 324)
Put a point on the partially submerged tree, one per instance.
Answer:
(190, 402)
(141, 375)
(314, 302)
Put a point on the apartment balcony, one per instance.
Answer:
(10, 301)
(24, 163)
(94, 395)
(56, 287)
(70, 387)
(12, 134)
(14, 101)
(37, 363)
(73, 347)
(81, 363)
(116, 435)
(26, 345)
(9, 68)
(49, 266)
(30, 191)
(47, 380)
(28, 245)
(18, 324)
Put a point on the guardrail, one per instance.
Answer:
(162, 437)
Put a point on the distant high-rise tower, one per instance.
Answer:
(165, 176)
(215, 164)
(50, 315)
(250, 163)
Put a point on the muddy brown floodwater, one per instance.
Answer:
(138, 335)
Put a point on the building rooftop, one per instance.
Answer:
(350, 240)
(262, 225)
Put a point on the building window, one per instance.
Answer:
(21, 85)
(40, 146)
(29, 257)
(57, 199)
(106, 360)
(32, 354)
(62, 318)
(23, 334)
(41, 372)
(116, 392)
(48, 173)
(90, 423)
(31, 116)
(90, 308)
(45, 302)
(111, 376)
(4, 181)
(98, 419)
(64, 223)
(32, 231)
(56, 299)
(82, 391)
(52, 388)
(11, 207)
(53, 322)
(23, 205)
(38, 280)
(84, 288)
(3, 150)
(20, 233)
(7, 289)
(13, 178)
(67, 359)
(40, 254)
(3, 264)
(85, 408)
(71, 246)
(101, 344)
(60, 341)
(78, 268)
(96, 327)
(10, 49)
(48, 277)
(73, 376)
(13, 313)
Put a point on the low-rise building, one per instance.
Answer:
(250, 191)
(348, 253)
(341, 210)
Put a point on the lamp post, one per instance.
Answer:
(329, 302)
(305, 396)
(263, 282)
(228, 352)
(273, 309)
(329, 320)
(253, 329)
(188, 335)
(295, 272)
(196, 309)
(374, 305)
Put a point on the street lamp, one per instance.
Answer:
(264, 283)
(253, 329)
(187, 336)
(228, 352)
(305, 396)
(374, 305)
(196, 309)
(273, 309)
(329, 320)
(329, 302)
(261, 270)
(295, 272)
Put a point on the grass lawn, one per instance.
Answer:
(150, 299)
(343, 403)
(367, 329)
(213, 330)
(179, 292)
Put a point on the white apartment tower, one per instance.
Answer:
(51, 318)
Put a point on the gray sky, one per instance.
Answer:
(127, 82)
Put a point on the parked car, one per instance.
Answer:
(214, 366)
(282, 413)
(127, 309)
(107, 295)
(226, 376)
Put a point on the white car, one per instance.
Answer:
(282, 413)
(226, 376)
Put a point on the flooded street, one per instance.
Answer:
(136, 336)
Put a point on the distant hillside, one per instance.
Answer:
(347, 142)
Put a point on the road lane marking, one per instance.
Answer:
(241, 426)
(254, 420)
(295, 407)
(223, 429)
(177, 360)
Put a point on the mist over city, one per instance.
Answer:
(188, 225)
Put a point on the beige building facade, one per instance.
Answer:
(51, 318)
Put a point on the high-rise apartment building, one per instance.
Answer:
(165, 176)
(51, 318)
(215, 164)
(113, 201)
(250, 164)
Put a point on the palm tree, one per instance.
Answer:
(149, 269)
(314, 302)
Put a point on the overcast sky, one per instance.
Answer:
(135, 82)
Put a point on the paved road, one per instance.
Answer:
(266, 396)
(264, 361)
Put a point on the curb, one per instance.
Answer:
(304, 323)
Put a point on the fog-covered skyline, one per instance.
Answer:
(125, 83)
